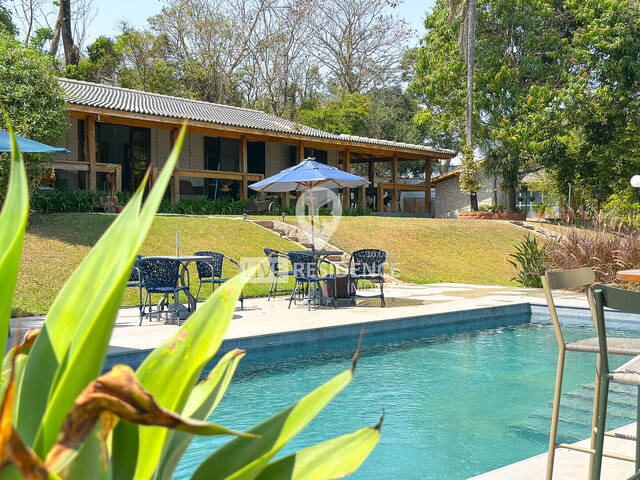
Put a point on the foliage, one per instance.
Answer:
(540, 207)
(529, 262)
(62, 201)
(6, 23)
(469, 172)
(556, 86)
(60, 420)
(30, 92)
(100, 65)
(623, 209)
(599, 248)
(342, 113)
(203, 206)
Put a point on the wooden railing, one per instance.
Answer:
(395, 187)
(112, 169)
(243, 178)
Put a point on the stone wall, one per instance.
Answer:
(450, 199)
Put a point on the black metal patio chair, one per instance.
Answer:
(135, 281)
(274, 257)
(161, 276)
(210, 271)
(367, 264)
(306, 273)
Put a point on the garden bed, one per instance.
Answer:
(492, 216)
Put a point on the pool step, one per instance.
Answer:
(575, 414)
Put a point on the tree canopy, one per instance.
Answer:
(557, 85)
(31, 94)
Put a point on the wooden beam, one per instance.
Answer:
(219, 174)
(162, 122)
(346, 192)
(300, 152)
(380, 205)
(175, 179)
(394, 180)
(90, 131)
(372, 173)
(427, 182)
(244, 189)
(363, 197)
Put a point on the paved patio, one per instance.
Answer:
(262, 317)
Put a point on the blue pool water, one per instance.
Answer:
(455, 405)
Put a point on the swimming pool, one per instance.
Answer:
(455, 404)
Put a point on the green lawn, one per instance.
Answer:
(422, 250)
(426, 250)
(56, 244)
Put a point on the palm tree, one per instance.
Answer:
(466, 10)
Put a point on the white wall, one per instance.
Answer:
(450, 199)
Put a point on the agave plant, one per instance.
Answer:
(60, 418)
(529, 262)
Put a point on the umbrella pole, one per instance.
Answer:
(313, 237)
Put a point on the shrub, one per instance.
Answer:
(623, 209)
(61, 419)
(62, 201)
(605, 251)
(203, 206)
(33, 98)
(529, 262)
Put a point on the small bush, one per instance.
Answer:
(62, 201)
(529, 262)
(203, 206)
(604, 251)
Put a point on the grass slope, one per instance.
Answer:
(55, 245)
(434, 250)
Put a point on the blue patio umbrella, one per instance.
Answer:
(307, 175)
(27, 146)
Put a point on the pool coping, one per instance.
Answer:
(317, 334)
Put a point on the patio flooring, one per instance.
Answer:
(262, 317)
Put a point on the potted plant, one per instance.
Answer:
(539, 208)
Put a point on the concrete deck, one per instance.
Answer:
(262, 317)
(569, 464)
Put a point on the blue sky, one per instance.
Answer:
(136, 12)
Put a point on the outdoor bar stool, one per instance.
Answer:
(274, 257)
(306, 273)
(626, 301)
(367, 264)
(580, 277)
(161, 276)
(135, 281)
(210, 271)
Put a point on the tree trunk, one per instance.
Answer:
(471, 60)
(63, 29)
(511, 198)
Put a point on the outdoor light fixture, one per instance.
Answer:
(635, 183)
(283, 214)
(244, 216)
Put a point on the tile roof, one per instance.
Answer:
(123, 99)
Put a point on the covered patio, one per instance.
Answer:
(116, 134)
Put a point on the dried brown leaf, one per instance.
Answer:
(117, 393)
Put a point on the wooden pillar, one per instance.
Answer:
(300, 152)
(394, 180)
(379, 198)
(346, 192)
(372, 173)
(244, 187)
(91, 151)
(363, 197)
(427, 182)
(175, 180)
(284, 199)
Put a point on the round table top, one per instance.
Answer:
(628, 275)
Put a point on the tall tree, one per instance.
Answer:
(63, 29)
(466, 10)
(357, 43)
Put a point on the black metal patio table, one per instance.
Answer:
(183, 311)
(319, 255)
